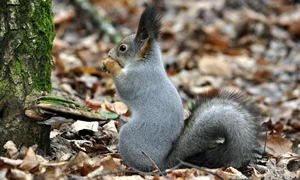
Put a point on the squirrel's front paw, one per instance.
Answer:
(109, 65)
(102, 66)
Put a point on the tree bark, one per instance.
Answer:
(26, 37)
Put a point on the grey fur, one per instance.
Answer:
(157, 112)
(221, 129)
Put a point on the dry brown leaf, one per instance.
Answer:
(294, 30)
(30, 160)
(59, 44)
(213, 65)
(262, 75)
(218, 41)
(278, 145)
(9, 162)
(79, 159)
(93, 104)
(231, 173)
(120, 108)
(255, 174)
(107, 164)
(117, 107)
(286, 19)
(86, 168)
(133, 177)
(118, 163)
(18, 174)
(11, 150)
(187, 174)
(55, 173)
(64, 16)
(111, 131)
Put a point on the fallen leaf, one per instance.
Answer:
(111, 131)
(108, 164)
(213, 65)
(79, 159)
(9, 162)
(132, 177)
(84, 125)
(117, 107)
(294, 30)
(3, 173)
(120, 107)
(278, 145)
(93, 104)
(11, 150)
(187, 174)
(255, 174)
(230, 173)
(30, 161)
(18, 174)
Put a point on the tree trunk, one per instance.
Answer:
(26, 37)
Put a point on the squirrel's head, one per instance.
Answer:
(137, 47)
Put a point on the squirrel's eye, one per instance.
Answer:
(123, 48)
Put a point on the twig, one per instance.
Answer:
(181, 163)
(199, 168)
(130, 171)
(138, 172)
(103, 24)
(151, 161)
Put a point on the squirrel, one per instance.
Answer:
(221, 130)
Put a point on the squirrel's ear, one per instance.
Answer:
(149, 25)
(144, 50)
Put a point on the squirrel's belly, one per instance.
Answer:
(136, 151)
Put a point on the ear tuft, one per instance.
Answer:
(149, 25)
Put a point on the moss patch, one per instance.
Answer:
(39, 28)
(18, 67)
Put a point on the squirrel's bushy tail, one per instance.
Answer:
(221, 131)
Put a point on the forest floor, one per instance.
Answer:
(250, 46)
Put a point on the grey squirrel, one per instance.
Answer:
(221, 130)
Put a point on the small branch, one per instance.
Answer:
(102, 24)
(181, 163)
(199, 168)
(152, 161)
(130, 171)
